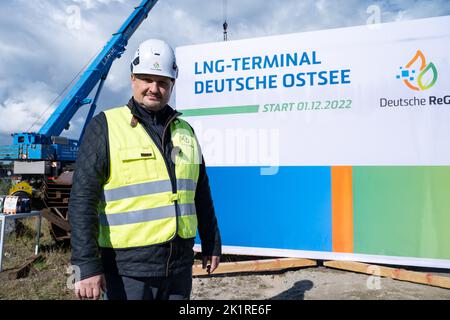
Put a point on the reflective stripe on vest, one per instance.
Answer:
(141, 189)
(146, 215)
(139, 207)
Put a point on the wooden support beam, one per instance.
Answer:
(396, 274)
(255, 266)
(53, 218)
(24, 269)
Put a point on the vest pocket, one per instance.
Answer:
(138, 164)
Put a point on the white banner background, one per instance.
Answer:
(365, 134)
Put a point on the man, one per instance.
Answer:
(140, 191)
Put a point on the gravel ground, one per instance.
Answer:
(317, 283)
(48, 279)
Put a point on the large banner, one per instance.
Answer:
(330, 145)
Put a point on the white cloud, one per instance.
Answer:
(24, 107)
(44, 43)
(92, 4)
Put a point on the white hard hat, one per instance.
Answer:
(155, 57)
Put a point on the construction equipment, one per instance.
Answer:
(43, 160)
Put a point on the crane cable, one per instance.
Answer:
(61, 93)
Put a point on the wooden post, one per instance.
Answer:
(23, 270)
(396, 274)
(255, 266)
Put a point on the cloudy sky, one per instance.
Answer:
(44, 44)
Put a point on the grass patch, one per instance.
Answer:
(47, 278)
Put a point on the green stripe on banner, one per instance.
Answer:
(220, 111)
(402, 211)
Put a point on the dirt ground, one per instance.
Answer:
(48, 277)
(318, 283)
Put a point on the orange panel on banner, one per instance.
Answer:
(342, 208)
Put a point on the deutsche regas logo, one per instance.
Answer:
(417, 74)
(156, 66)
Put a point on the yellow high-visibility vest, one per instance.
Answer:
(139, 206)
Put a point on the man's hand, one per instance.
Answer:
(213, 263)
(90, 288)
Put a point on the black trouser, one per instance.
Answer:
(175, 287)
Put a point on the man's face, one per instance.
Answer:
(151, 91)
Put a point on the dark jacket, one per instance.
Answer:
(92, 172)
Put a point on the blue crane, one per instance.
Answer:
(47, 146)
(42, 158)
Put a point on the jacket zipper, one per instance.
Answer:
(174, 187)
(161, 149)
(168, 260)
(167, 126)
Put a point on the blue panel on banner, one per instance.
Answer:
(288, 210)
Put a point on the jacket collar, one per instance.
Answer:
(160, 117)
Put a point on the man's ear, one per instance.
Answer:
(133, 80)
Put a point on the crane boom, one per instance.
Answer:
(98, 68)
(46, 144)
(43, 161)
